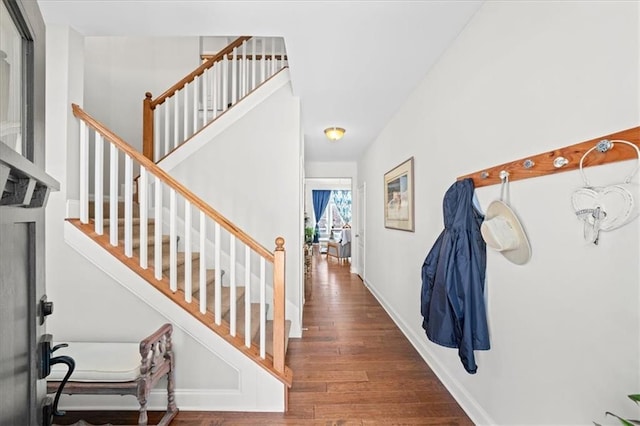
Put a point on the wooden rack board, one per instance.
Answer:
(543, 163)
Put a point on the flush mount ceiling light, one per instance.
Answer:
(334, 133)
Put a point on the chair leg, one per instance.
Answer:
(142, 400)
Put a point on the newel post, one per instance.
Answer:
(147, 127)
(278, 304)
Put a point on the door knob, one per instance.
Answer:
(46, 361)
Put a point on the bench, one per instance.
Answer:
(120, 369)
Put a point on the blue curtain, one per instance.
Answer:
(320, 201)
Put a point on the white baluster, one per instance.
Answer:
(173, 242)
(234, 76)
(128, 206)
(185, 108)
(195, 104)
(167, 136)
(203, 263)
(212, 91)
(263, 61)
(218, 276)
(143, 200)
(215, 71)
(243, 71)
(232, 284)
(176, 119)
(247, 296)
(263, 308)
(273, 56)
(225, 82)
(205, 105)
(157, 137)
(98, 182)
(253, 63)
(113, 196)
(157, 219)
(84, 173)
(188, 267)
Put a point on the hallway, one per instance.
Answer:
(352, 367)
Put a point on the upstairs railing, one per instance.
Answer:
(146, 232)
(212, 88)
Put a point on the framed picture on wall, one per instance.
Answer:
(398, 197)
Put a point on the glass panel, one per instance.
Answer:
(11, 103)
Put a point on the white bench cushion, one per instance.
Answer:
(99, 362)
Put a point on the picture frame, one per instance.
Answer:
(398, 197)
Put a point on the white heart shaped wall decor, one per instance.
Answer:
(615, 201)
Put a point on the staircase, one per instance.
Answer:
(168, 236)
(183, 270)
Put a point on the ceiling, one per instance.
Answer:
(352, 63)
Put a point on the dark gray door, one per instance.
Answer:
(25, 188)
(14, 327)
(19, 288)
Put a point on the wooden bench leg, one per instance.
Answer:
(157, 360)
(172, 408)
(142, 400)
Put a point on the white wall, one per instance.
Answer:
(523, 78)
(250, 173)
(89, 303)
(120, 70)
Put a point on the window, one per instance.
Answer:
(336, 215)
(14, 87)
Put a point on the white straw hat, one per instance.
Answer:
(502, 231)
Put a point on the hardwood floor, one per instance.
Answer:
(353, 366)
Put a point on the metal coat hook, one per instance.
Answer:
(604, 145)
(504, 189)
(560, 162)
(564, 159)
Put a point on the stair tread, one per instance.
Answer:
(269, 332)
(240, 321)
(135, 235)
(134, 221)
(151, 240)
(135, 207)
(226, 298)
(180, 258)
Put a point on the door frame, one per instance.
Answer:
(28, 192)
(361, 198)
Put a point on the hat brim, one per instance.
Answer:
(521, 254)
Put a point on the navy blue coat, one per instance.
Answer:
(452, 300)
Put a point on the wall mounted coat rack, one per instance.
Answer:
(560, 160)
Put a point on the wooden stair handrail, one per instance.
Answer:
(197, 72)
(174, 184)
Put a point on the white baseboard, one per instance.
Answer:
(475, 412)
(186, 400)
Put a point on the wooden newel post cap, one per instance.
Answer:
(148, 95)
(279, 244)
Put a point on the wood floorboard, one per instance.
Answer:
(353, 366)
